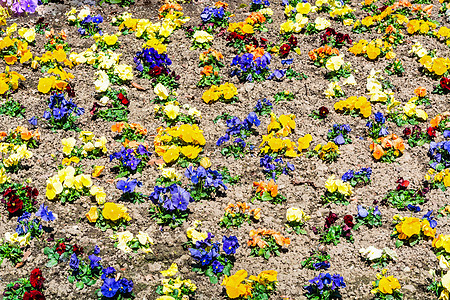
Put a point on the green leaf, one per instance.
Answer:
(51, 263)
(71, 279)
(79, 285)
(213, 279)
(266, 197)
(209, 272)
(47, 251)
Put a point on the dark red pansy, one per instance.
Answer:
(285, 49)
(323, 111)
(293, 40)
(36, 279)
(431, 131)
(348, 220)
(445, 83)
(61, 248)
(33, 295)
(14, 205)
(77, 250)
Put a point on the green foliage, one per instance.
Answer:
(333, 235)
(271, 248)
(165, 217)
(13, 109)
(84, 276)
(11, 252)
(316, 257)
(15, 290)
(266, 196)
(123, 3)
(402, 198)
(105, 224)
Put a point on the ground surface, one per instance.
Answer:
(414, 262)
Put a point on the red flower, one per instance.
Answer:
(33, 295)
(61, 248)
(70, 91)
(445, 83)
(348, 220)
(285, 49)
(431, 131)
(407, 131)
(332, 217)
(31, 192)
(14, 205)
(293, 41)
(156, 71)
(330, 31)
(402, 184)
(346, 231)
(348, 39)
(340, 38)
(77, 250)
(36, 279)
(323, 111)
(8, 191)
(123, 99)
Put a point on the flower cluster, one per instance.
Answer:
(325, 286)
(112, 215)
(171, 113)
(238, 286)
(332, 232)
(155, 66)
(268, 192)
(403, 197)
(129, 131)
(13, 155)
(267, 242)
(226, 92)
(170, 205)
(373, 49)
(236, 214)
(9, 81)
(274, 167)
(91, 147)
(339, 134)
(131, 160)
(362, 177)
(87, 24)
(204, 183)
(127, 243)
(337, 191)
(63, 113)
(115, 103)
(328, 152)
(239, 131)
(296, 219)
(208, 257)
(387, 148)
(411, 230)
(179, 143)
(354, 106)
(380, 257)
(251, 67)
(113, 287)
(26, 288)
(174, 288)
(370, 217)
(318, 260)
